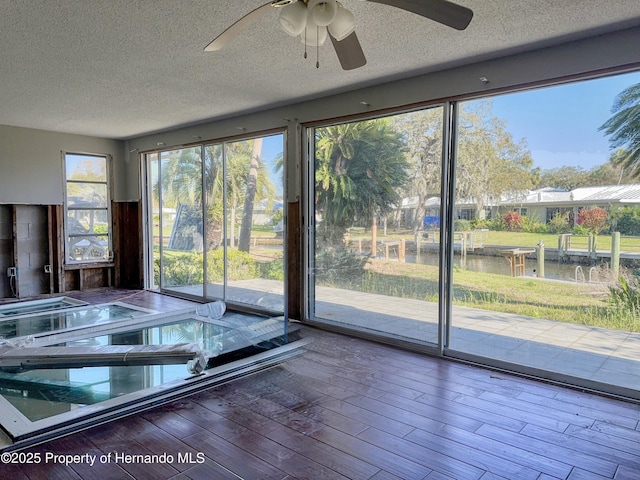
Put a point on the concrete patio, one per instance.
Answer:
(591, 353)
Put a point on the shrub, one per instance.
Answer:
(277, 216)
(240, 265)
(101, 228)
(626, 220)
(580, 230)
(179, 269)
(186, 268)
(531, 225)
(495, 223)
(338, 264)
(560, 223)
(462, 225)
(513, 221)
(625, 296)
(273, 270)
(481, 223)
(593, 219)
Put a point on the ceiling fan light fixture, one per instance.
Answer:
(322, 12)
(314, 35)
(293, 18)
(343, 25)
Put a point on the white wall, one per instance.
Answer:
(31, 164)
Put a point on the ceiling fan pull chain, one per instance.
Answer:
(305, 42)
(317, 47)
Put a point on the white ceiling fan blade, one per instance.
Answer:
(237, 28)
(441, 11)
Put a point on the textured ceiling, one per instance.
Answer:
(122, 68)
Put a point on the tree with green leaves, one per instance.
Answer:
(360, 170)
(182, 183)
(623, 129)
(566, 177)
(489, 162)
(422, 132)
(570, 177)
(244, 241)
(247, 181)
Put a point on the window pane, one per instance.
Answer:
(86, 168)
(86, 222)
(87, 209)
(536, 284)
(88, 248)
(377, 225)
(214, 184)
(236, 252)
(254, 185)
(86, 195)
(180, 183)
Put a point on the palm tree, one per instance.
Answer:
(623, 129)
(238, 159)
(244, 241)
(182, 184)
(181, 174)
(360, 170)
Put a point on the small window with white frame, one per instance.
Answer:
(87, 208)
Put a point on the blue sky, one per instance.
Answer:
(272, 147)
(560, 124)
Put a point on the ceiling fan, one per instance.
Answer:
(315, 20)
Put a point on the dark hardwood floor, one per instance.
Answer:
(353, 409)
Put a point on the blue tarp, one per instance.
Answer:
(431, 222)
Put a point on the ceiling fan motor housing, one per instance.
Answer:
(282, 3)
(322, 12)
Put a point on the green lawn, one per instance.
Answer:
(585, 304)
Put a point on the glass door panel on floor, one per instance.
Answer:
(375, 225)
(540, 286)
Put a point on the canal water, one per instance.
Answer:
(500, 265)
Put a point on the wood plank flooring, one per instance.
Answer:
(352, 409)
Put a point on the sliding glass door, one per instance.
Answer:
(375, 225)
(217, 220)
(245, 218)
(513, 242)
(549, 280)
(175, 208)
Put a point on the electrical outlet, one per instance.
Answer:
(47, 269)
(11, 272)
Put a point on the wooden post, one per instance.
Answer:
(560, 245)
(615, 253)
(374, 237)
(592, 247)
(401, 250)
(540, 259)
